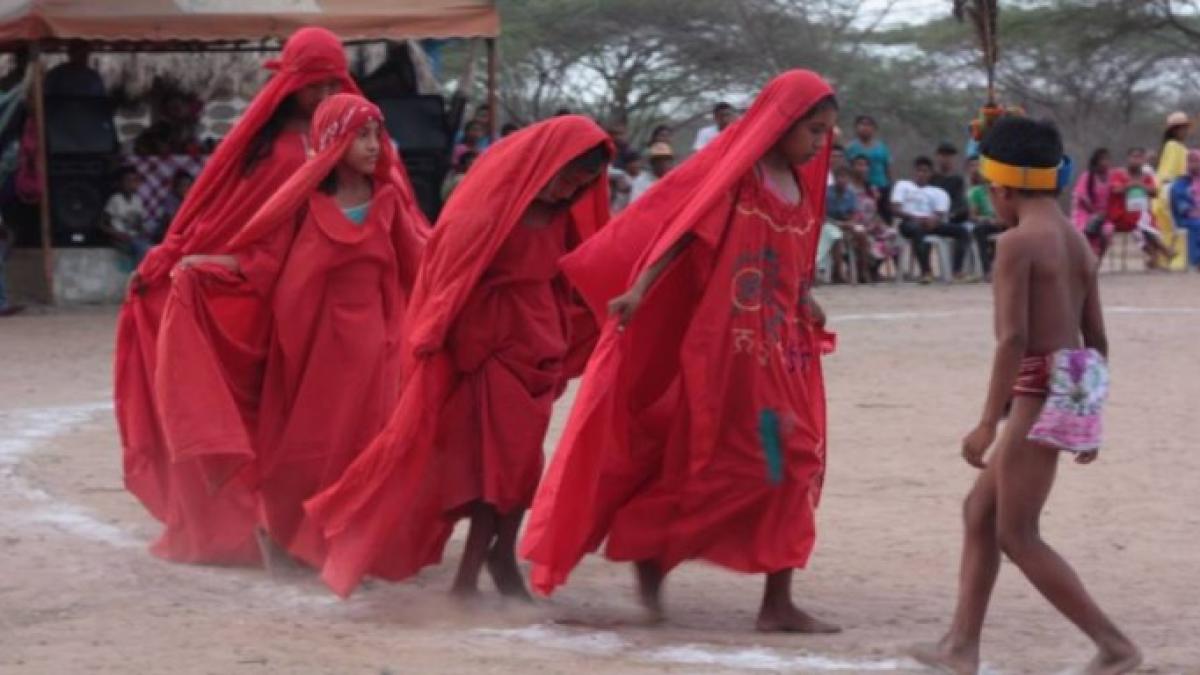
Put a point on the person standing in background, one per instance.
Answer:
(723, 115)
(867, 144)
(1172, 163)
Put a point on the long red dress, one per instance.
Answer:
(336, 308)
(189, 351)
(699, 430)
(508, 347)
(500, 328)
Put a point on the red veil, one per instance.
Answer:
(594, 470)
(220, 203)
(384, 516)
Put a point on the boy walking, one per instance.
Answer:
(1051, 361)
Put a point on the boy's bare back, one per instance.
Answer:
(1053, 266)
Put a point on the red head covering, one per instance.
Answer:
(589, 476)
(487, 205)
(334, 127)
(207, 221)
(384, 516)
(691, 192)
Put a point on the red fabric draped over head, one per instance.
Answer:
(691, 192)
(384, 516)
(596, 466)
(207, 221)
(485, 207)
(220, 203)
(335, 125)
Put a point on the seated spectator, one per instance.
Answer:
(983, 217)
(1089, 202)
(181, 184)
(472, 141)
(884, 240)
(723, 115)
(837, 159)
(76, 77)
(947, 177)
(124, 218)
(923, 210)
(460, 170)
(483, 118)
(1185, 206)
(842, 232)
(1131, 192)
(662, 160)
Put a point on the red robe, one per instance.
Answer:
(319, 308)
(497, 319)
(186, 422)
(333, 369)
(698, 432)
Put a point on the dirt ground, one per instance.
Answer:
(80, 594)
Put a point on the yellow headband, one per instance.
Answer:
(1021, 177)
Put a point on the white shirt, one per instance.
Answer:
(642, 183)
(705, 136)
(126, 213)
(920, 202)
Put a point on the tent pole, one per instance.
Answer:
(491, 85)
(43, 167)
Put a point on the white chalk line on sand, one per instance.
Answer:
(607, 643)
(950, 314)
(21, 431)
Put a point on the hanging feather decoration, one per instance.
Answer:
(984, 17)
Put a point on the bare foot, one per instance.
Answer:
(650, 581)
(277, 561)
(1123, 660)
(502, 566)
(945, 660)
(791, 619)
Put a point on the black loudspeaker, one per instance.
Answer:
(81, 141)
(80, 125)
(79, 189)
(418, 125)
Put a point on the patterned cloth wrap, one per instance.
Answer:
(1078, 387)
(157, 173)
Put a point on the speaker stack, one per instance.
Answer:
(418, 126)
(82, 153)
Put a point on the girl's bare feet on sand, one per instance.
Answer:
(502, 566)
(788, 618)
(650, 581)
(1125, 659)
(943, 659)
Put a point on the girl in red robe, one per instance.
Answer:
(492, 335)
(168, 418)
(337, 306)
(699, 429)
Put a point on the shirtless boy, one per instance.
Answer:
(1050, 360)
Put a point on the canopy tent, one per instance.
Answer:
(234, 20)
(147, 25)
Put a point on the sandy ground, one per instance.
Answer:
(80, 594)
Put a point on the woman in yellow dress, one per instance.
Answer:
(1172, 163)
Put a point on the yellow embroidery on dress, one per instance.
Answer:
(778, 227)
